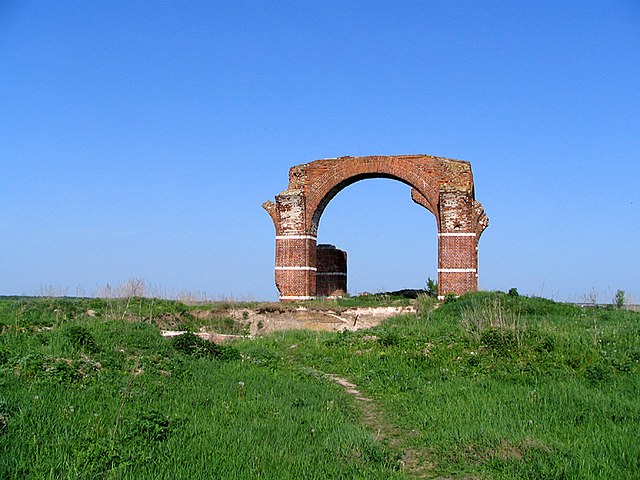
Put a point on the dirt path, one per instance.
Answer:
(414, 462)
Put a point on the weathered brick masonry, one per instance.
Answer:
(331, 276)
(442, 185)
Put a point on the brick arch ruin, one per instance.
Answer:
(443, 186)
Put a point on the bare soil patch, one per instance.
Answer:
(262, 322)
(269, 318)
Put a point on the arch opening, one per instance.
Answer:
(391, 241)
(340, 186)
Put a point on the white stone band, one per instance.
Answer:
(294, 297)
(296, 237)
(456, 270)
(443, 297)
(332, 273)
(456, 234)
(297, 268)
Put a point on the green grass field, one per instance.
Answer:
(487, 386)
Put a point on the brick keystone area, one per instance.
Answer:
(444, 186)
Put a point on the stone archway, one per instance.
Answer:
(444, 186)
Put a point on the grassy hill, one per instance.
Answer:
(486, 386)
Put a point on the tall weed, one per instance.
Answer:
(490, 314)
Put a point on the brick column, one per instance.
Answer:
(457, 263)
(296, 267)
(331, 276)
(457, 241)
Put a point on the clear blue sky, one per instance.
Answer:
(139, 139)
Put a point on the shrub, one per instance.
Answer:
(190, 344)
(619, 299)
(597, 373)
(450, 298)
(81, 337)
(4, 354)
(389, 339)
(152, 426)
(499, 340)
(432, 288)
